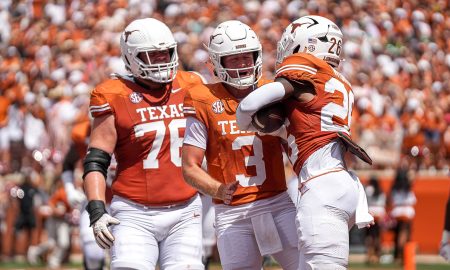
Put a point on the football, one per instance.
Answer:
(270, 118)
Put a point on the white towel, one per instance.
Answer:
(363, 218)
(266, 234)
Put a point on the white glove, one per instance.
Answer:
(74, 196)
(103, 236)
(444, 251)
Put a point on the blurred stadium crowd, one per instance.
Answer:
(397, 57)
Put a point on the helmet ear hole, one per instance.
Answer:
(171, 52)
(296, 49)
(255, 56)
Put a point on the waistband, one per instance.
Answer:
(146, 207)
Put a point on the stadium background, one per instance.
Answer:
(397, 57)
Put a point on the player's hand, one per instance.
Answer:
(226, 191)
(103, 236)
(370, 224)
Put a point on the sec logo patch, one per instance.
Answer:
(218, 107)
(136, 97)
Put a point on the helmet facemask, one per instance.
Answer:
(234, 38)
(157, 72)
(143, 37)
(236, 77)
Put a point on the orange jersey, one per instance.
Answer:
(255, 161)
(4, 104)
(314, 124)
(60, 197)
(150, 129)
(80, 136)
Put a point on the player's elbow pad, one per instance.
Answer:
(96, 160)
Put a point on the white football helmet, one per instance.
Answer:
(235, 37)
(147, 35)
(312, 34)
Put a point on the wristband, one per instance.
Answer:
(96, 209)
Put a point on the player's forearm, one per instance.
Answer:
(259, 98)
(95, 186)
(195, 176)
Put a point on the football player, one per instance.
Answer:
(93, 255)
(254, 215)
(318, 102)
(155, 215)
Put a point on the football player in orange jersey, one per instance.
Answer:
(155, 215)
(318, 102)
(254, 214)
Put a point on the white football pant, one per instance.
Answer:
(148, 234)
(325, 214)
(247, 232)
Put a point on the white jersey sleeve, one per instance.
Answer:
(196, 133)
(256, 100)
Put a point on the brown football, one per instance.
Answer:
(270, 118)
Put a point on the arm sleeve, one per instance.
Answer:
(196, 133)
(260, 97)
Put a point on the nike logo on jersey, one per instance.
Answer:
(176, 90)
(160, 112)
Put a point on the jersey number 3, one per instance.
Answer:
(255, 160)
(151, 162)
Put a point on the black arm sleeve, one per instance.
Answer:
(96, 209)
(96, 160)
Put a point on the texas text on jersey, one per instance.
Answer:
(259, 169)
(148, 126)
